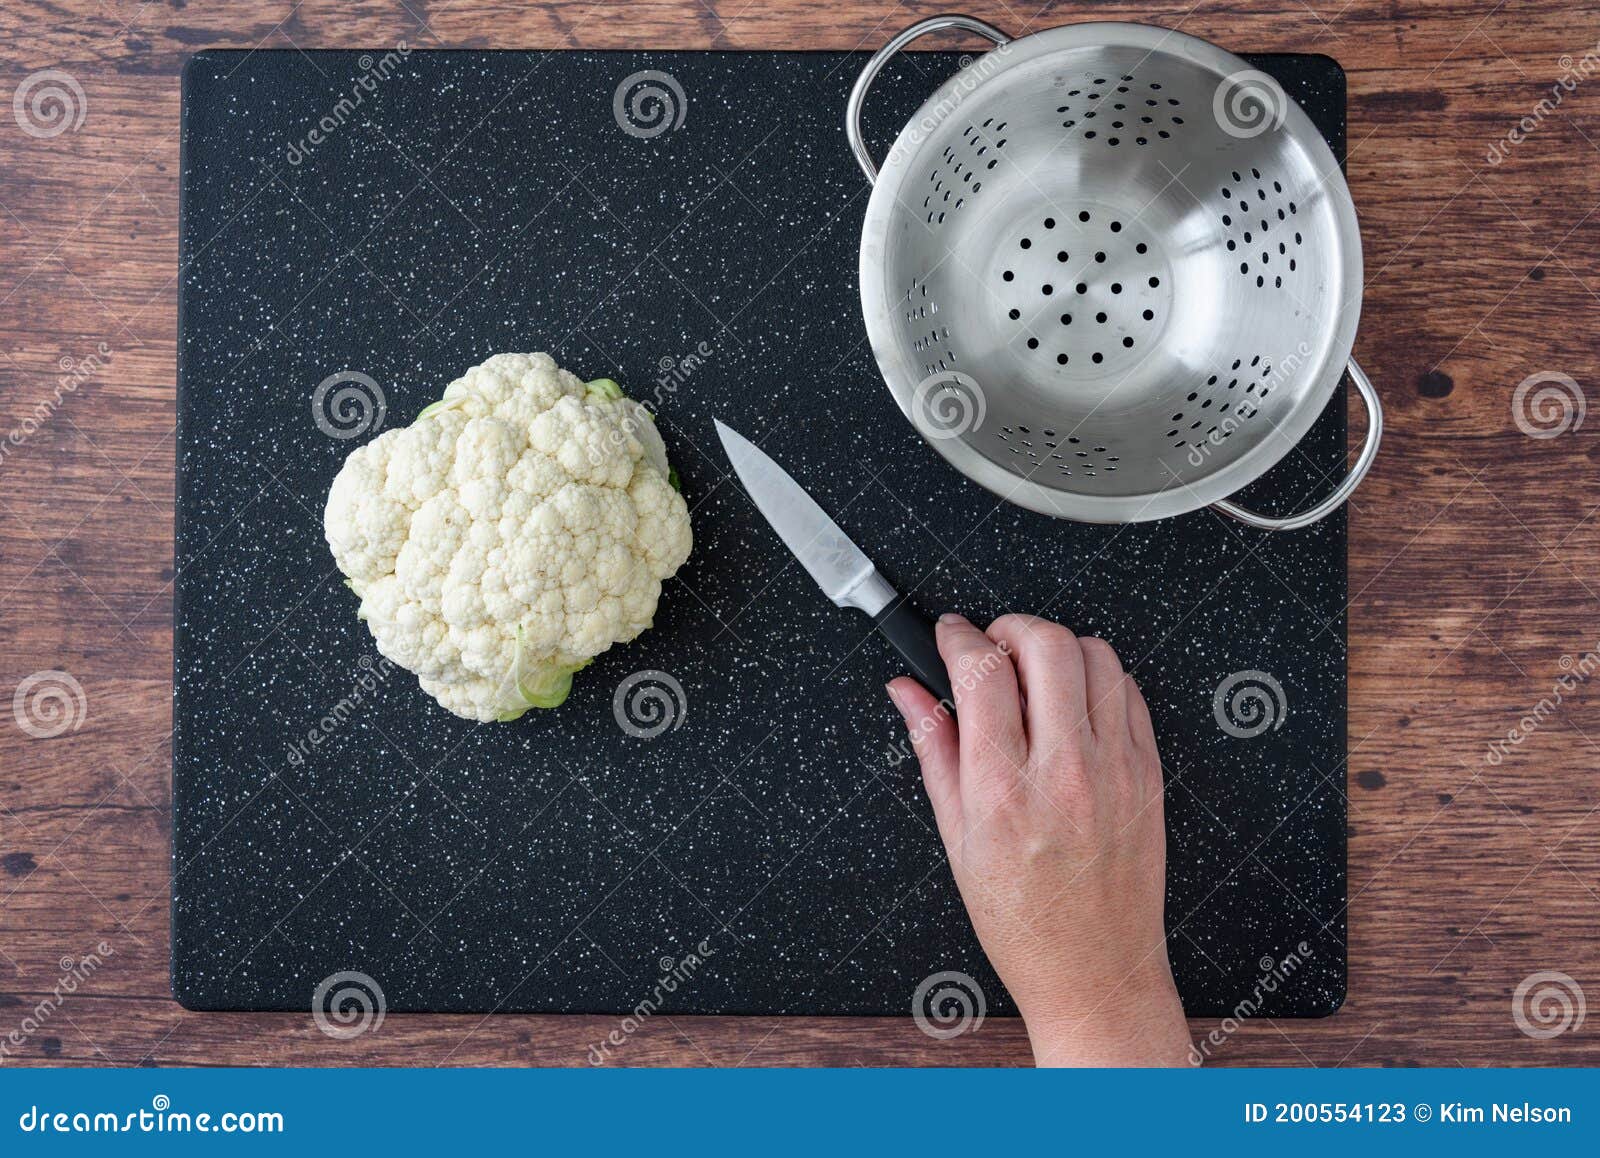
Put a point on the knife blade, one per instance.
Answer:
(833, 560)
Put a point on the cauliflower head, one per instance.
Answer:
(518, 528)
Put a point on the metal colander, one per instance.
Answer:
(1111, 272)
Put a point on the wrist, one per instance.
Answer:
(1139, 1026)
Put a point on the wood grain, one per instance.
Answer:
(1472, 545)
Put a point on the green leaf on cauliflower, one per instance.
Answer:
(442, 405)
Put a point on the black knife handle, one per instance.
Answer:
(911, 632)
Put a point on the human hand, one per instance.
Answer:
(1047, 792)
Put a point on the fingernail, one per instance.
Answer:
(951, 617)
(894, 698)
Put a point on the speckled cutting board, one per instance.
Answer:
(471, 203)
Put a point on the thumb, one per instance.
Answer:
(933, 735)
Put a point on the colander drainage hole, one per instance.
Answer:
(1008, 276)
(1027, 243)
(1141, 248)
(1149, 315)
(1084, 215)
(1097, 357)
(1066, 319)
(1015, 314)
(1047, 289)
(1101, 318)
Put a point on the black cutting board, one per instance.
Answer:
(478, 202)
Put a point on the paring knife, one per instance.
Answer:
(840, 568)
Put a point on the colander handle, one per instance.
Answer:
(858, 94)
(1369, 451)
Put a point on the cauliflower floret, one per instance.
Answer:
(518, 528)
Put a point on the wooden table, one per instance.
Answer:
(1472, 545)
